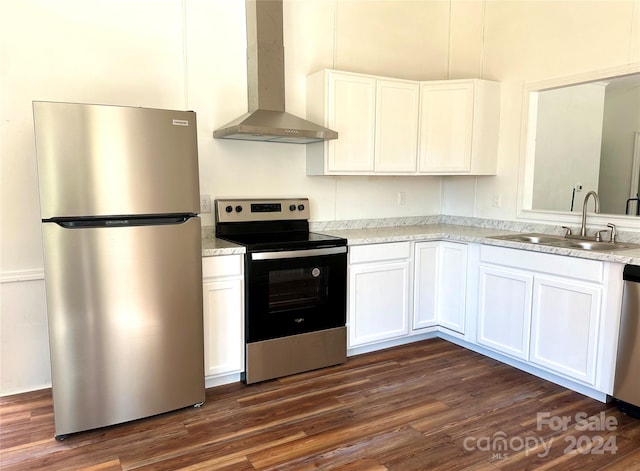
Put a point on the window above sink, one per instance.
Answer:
(569, 193)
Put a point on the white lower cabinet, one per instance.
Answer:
(378, 306)
(544, 309)
(551, 314)
(504, 310)
(425, 294)
(381, 289)
(440, 285)
(452, 286)
(223, 299)
(564, 330)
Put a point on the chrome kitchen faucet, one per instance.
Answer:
(596, 200)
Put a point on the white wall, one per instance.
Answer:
(104, 51)
(568, 139)
(186, 55)
(531, 41)
(317, 35)
(621, 122)
(190, 54)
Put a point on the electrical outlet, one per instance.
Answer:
(497, 200)
(402, 198)
(205, 203)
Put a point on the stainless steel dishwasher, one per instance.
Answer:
(626, 387)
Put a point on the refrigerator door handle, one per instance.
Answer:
(120, 221)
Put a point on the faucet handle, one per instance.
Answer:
(599, 236)
(614, 232)
(567, 231)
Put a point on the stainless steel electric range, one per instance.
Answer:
(295, 286)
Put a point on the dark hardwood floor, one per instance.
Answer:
(425, 406)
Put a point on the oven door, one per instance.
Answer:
(293, 292)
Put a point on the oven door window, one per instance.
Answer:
(298, 288)
(292, 296)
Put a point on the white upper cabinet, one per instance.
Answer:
(459, 124)
(390, 126)
(376, 120)
(396, 126)
(352, 110)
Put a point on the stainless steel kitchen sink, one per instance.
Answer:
(530, 238)
(592, 245)
(570, 243)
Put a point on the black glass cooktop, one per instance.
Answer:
(284, 240)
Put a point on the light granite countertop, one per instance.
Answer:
(479, 235)
(211, 246)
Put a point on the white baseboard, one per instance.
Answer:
(391, 343)
(15, 276)
(564, 382)
(212, 382)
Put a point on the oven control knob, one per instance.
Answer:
(292, 207)
(238, 209)
(301, 207)
(228, 209)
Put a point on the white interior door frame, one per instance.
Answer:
(635, 170)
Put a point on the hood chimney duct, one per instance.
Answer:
(267, 119)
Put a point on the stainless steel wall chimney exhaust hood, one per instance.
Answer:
(267, 120)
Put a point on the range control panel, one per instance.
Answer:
(259, 209)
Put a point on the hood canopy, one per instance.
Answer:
(267, 119)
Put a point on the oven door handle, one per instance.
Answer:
(298, 253)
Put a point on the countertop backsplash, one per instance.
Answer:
(373, 223)
(515, 226)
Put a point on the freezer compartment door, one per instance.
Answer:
(125, 322)
(99, 160)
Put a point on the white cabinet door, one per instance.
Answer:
(504, 310)
(459, 127)
(452, 286)
(565, 322)
(440, 284)
(223, 326)
(446, 116)
(376, 119)
(425, 284)
(378, 302)
(391, 126)
(352, 101)
(396, 134)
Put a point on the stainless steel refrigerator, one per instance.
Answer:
(119, 198)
